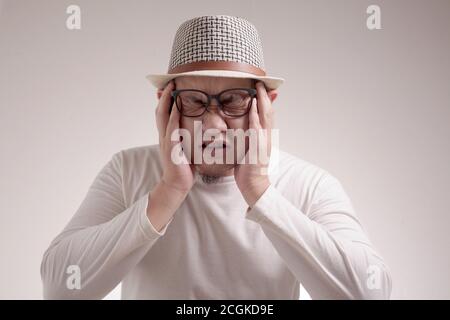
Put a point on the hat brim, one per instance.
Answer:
(160, 80)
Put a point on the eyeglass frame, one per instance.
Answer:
(210, 97)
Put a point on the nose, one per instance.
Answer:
(212, 119)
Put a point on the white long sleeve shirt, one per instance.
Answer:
(303, 229)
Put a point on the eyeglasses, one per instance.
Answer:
(233, 102)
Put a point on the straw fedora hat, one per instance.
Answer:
(218, 46)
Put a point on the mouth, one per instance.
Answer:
(215, 145)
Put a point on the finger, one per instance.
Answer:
(162, 110)
(173, 123)
(253, 120)
(264, 105)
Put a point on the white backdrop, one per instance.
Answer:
(372, 107)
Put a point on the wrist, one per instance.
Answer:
(171, 189)
(163, 203)
(169, 196)
(253, 191)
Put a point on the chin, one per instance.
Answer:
(217, 170)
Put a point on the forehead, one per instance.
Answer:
(212, 84)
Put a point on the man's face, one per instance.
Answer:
(213, 118)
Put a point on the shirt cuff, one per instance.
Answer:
(147, 228)
(263, 205)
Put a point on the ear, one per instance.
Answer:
(273, 94)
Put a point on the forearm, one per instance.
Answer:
(331, 260)
(104, 254)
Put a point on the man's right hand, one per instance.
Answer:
(176, 176)
(177, 179)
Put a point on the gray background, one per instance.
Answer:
(371, 107)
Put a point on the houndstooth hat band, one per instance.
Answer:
(221, 46)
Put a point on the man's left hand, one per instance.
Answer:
(252, 178)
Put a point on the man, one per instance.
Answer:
(169, 225)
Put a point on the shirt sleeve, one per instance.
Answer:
(326, 249)
(104, 240)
